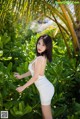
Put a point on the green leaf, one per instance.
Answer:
(28, 109)
(1, 100)
(60, 110)
(11, 85)
(1, 53)
(21, 106)
(9, 66)
(18, 113)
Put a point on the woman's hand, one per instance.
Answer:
(20, 89)
(17, 75)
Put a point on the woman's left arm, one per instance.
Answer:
(34, 78)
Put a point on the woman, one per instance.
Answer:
(37, 70)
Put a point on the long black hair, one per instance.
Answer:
(48, 42)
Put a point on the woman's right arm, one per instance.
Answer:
(18, 76)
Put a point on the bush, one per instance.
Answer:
(63, 72)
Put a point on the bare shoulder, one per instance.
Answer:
(41, 58)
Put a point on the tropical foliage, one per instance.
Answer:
(17, 49)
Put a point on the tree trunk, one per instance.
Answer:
(71, 28)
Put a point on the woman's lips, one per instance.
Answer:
(39, 50)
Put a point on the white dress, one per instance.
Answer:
(44, 86)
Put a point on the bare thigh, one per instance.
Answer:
(46, 111)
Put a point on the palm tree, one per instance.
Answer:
(77, 14)
(33, 9)
(70, 26)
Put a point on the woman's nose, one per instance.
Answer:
(39, 46)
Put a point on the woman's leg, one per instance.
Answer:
(46, 111)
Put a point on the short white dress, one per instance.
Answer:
(44, 86)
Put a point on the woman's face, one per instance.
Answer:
(41, 47)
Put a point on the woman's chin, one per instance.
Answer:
(39, 52)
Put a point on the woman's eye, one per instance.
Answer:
(39, 43)
(43, 45)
